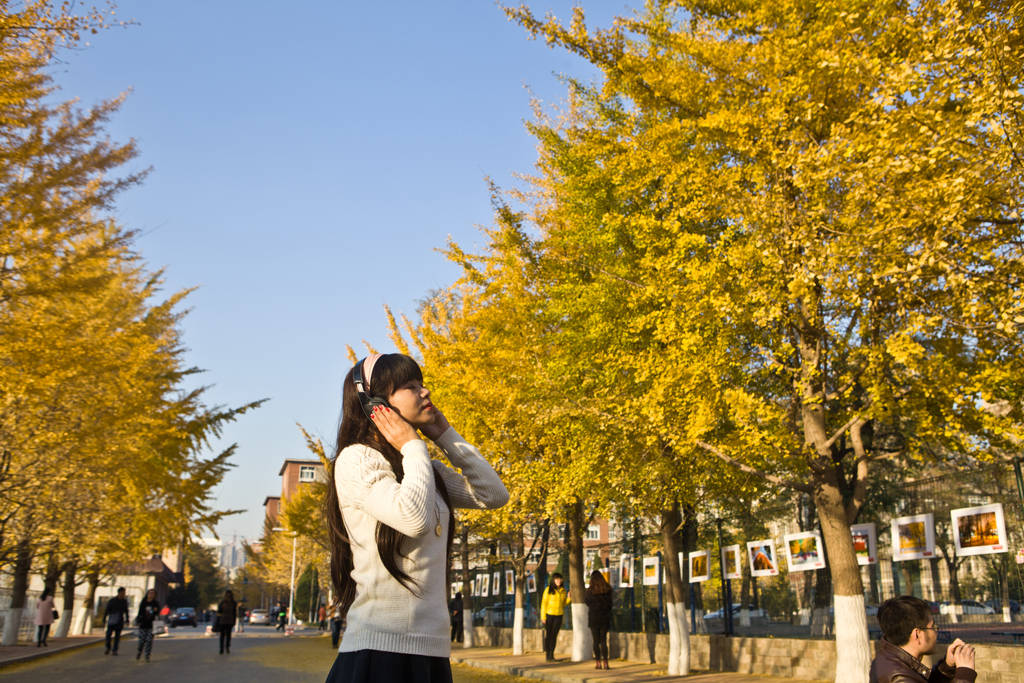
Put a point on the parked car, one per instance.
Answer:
(259, 616)
(182, 616)
(718, 613)
(997, 606)
(968, 607)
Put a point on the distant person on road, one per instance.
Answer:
(240, 622)
(282, 616)
(552, 608)
(227, 609)
(908, 632)
(321, 618)
(149, 609)
(116, 616)
(455, 607)
(44, 617)
(390, 520)
(337, 624)
(599, 616)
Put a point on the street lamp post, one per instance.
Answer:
(291, 590)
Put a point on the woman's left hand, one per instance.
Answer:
(437, 427)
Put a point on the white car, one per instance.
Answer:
(259, 616)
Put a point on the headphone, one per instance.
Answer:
(367, 401)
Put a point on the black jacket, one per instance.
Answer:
(147, 613)
(599, 609)
(116, 611)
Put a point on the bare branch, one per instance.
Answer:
(770, 478)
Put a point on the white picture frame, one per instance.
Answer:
(865, 543)
(732, 566)
(979, 530)
(913, 537)
(804, 551)
(650, 565)
(700, 566)
(626, 570)
(762, 557)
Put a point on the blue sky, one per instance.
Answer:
(308, 160)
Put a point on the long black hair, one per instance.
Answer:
(390, 372)
(551, 584)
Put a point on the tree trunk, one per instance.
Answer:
(582, 644)
(518, 622)
(68, 587)
(19, 588)
(467, 600)
(1004, 588)
(678, 634)
(853, 656)
(84, 625)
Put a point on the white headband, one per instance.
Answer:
(368, 364)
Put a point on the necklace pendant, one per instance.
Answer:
(437, 529)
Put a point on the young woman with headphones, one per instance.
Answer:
(389, 513)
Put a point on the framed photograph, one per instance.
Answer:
(588, 566)
(474, 585)
(804, 551)
(485, 582)
(651, 565)
(731, 562)
(510, 582)
(699, 570)
(496, 582)
(865, 543)
(913, 537)
(979, 530)
(455, 589)
(531, 583)
(763, 561)
(626, 570)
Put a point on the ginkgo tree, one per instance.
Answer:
(826, 203)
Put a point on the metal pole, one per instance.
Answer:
(726, 588)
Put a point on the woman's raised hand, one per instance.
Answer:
(393, 426)
(437, 427)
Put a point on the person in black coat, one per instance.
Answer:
(598, 599)
(116, 616)
(455, 608)
(227, 611)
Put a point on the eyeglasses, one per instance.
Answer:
(927, 628)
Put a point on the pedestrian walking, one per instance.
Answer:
(45, 614)
(455, 608)
(282, 615)
(390, 519)
(908, 632)
(552, 608)
(240, 622)
(337, 624)
(227, 610)
(598, 599)
(149, 608)
(321, 618)
(116, 616)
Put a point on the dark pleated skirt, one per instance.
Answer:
(374, 666)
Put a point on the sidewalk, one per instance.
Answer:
(24, 652)
(533, 666)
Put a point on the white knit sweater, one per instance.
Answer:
(385, 615)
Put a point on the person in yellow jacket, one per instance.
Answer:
(552, 607)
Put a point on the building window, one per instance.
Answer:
(307, 473)
(593, 532)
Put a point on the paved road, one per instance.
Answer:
(260, 655)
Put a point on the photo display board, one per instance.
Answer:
(763, 561)
(979, 530)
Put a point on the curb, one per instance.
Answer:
(44, 653)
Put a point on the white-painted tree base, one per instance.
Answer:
(64, 625)
(853, 653)
(678, 640)
(744, 617)
(582, 642)
(11, 624)
(467, 630)
(517, 631)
